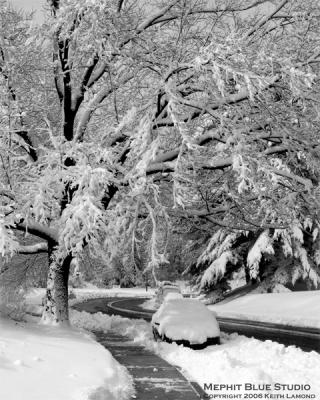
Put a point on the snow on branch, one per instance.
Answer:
(84, 220)
(8, 242)
(217, 268)
(91, 107)
(153, 18)
(267, 18)
(37, 229)
(33, 249)
(263, 245)
(217, 254)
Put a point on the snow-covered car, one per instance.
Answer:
(163, 290)
(185, 321)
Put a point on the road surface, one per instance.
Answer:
(307, 339)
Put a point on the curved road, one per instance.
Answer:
(307, 339)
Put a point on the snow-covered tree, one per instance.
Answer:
(108, 104)
(273, 258)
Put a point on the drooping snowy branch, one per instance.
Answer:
(33, 249)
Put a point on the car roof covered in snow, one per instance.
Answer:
(188, 319)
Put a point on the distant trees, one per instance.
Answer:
(119, 119)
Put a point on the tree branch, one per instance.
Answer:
(203, 139)
(226, 162)
(57, 78)
(120, 5)
(266, 18)
(92, 106)
(35, 228)
(29, 146)
(213, 10)
(67, 89)
(97, 74)
(33, 248)
(84, 84)
(150, 21)
(23, 134)
(7, 193)
(242, 95)
(54, 4)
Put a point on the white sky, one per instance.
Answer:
(29, 5)
(33, 5)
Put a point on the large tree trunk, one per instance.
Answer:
(55, 311)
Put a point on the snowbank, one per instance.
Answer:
(289, 308)
(238, 360)
(185, 319)
(38, 362)
(150, 304)
(86, 294)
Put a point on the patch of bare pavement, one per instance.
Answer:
(153, 377)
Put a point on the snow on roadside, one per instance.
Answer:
(150, 304)
(86, 294)
(38, 362)
(238, 360)
(289, 308)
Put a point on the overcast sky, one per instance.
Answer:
(30, 5)
(37, 6)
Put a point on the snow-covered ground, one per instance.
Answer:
(289, 308)
(238, 360)
(38, 362)
(41, 362)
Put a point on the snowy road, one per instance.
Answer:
(306, 338)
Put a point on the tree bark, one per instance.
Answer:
(55, 311)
